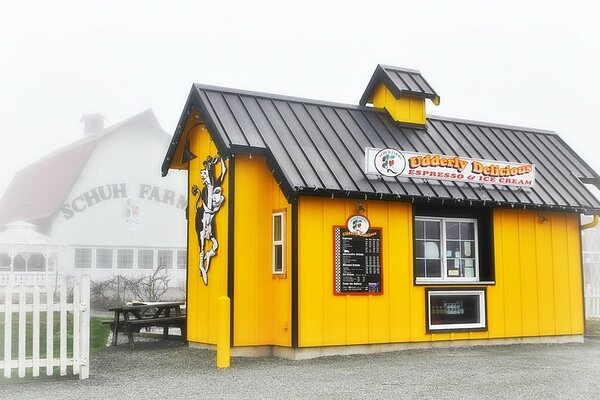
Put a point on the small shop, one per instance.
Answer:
(336, 228)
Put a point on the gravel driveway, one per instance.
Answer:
(169, 369)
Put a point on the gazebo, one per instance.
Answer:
(27, 257)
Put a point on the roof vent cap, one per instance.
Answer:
(92, 123)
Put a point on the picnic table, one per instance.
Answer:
(131, 317)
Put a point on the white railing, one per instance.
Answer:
(34, 307)
(592, 302)
(26, 278)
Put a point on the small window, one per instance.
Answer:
(19, 263)
(4, 262)
(124, 258)
(181, 259)
(145, 259)
(36, 262)
(83, 258)
(279, 243)
(456, 310)
(104, 258)
(164, 259)
(446, 249)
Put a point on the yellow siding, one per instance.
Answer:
(405, 109)
(262, 301)
(325, 319)
(538, 275)
(202, 300)
(537, 290)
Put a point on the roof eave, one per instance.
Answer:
(194, 102)
(330, 193)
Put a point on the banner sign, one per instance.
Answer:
(392, 163)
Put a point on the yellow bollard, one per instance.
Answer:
(223, 332)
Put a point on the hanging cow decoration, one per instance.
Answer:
(208, 203)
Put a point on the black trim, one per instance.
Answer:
(187, 250)
(231, 244)
(455, 289)
(485, 238)
(176, 136)
(295, 327)
(439, 201)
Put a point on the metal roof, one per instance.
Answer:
(400, 81)
(316, 147)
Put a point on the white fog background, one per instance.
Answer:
(529, 63)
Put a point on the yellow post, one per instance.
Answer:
(223, 332)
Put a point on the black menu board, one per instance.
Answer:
(357, 261)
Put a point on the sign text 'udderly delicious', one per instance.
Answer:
(392, 162)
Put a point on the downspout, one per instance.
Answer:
(591, 224)
(584, 227)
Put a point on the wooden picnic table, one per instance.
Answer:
(131, 317)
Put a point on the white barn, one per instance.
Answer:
(103, 197)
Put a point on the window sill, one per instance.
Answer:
(454, 283)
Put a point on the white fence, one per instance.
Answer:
(592, 302)
(35, 309)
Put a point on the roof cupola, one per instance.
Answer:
(401, 91)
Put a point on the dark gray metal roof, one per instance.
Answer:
(316, 147)
(400, 81)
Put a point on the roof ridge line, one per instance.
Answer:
(400, 68)
(94, 137)
(278, 96)
(493, 124)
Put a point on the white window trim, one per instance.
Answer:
(445, 327)
(113, 257)
(137, 264)
(443, 256)
(92, 255)
(176, 265)
(133, 259)
(173, 257)
(278, 242)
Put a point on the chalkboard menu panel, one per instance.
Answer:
(357, 261)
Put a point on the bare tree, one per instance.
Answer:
(151, 287)
(110, 292)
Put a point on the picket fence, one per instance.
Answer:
(35, 303)
(592, 302)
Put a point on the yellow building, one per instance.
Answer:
(338, 228)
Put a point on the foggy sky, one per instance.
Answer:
(533, 64)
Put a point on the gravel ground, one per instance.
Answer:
(172, 370)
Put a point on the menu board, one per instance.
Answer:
(357, 261)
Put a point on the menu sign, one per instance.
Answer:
(357, 261)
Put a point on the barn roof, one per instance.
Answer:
(38, 191)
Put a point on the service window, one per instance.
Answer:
(278, 265)
(446, 249)
(453, 310)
